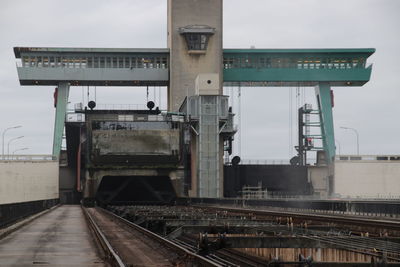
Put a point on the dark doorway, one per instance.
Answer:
(135, 189)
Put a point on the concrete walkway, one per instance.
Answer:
(58, 238)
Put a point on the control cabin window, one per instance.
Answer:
(196, 41)
(196, 37)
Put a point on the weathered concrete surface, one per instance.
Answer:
(185, 67)
(133, 143)
(138, 142)
(318, 175)
(23, 181)
(59, 238)
(367, 178)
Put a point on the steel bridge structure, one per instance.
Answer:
(319, 68)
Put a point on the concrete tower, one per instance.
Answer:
(195, 43)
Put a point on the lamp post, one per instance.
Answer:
(356, 132)
(20, 149)
(4, 132)
(8, 145)
(338, 145)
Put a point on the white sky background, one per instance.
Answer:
(373, 109)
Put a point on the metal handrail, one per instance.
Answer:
(268, 161)
(30, 158)
(393, 158)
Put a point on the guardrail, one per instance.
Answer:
(268, 161)
(395, 158)
(28, 158)
(12, 212)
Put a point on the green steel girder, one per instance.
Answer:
(306, 67)
(61, 110)
(324, 99)
(247, 67)
(304, 51)
(304, 77)
(323, 52)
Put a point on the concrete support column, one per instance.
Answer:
(61, 111)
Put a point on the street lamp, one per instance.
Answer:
(20, 149)
(4, 132)
(355, 131)
(8, 145)
(338, 146)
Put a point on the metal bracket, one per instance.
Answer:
(222, 127)
(194, 130)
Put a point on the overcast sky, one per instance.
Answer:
(373, 109)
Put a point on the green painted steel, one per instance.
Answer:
(308, 67)
(343, 77)
(250, 67)
(324, 99)
(69, 50)
(61, 110)
(60, 51)
(367, 51)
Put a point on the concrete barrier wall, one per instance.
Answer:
(23, 181)
(371, 179)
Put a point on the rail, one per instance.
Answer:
(264, 162)
(29, 158)
(304, 62)
(268, 231)
(268, 161)
(193, 257)
(111, 255)
(83, 61)
(225, 257)
(374, 208)
(389, 158)
(349, 220)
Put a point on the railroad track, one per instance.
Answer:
(184, 255)
(340, 219)
(263, 221)
(362, 245)
(224, 257)
(186, 249)
(110, 255)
